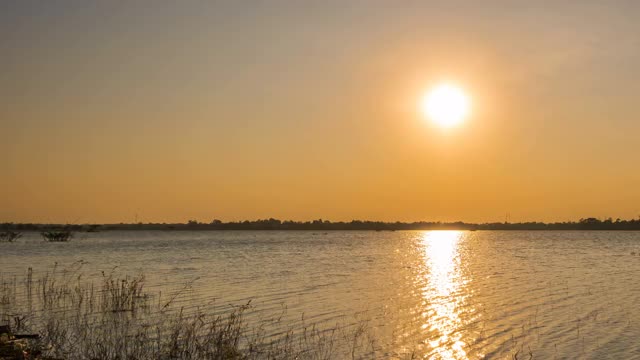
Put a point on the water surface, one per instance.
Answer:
(438, 294)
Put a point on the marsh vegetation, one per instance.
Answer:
(116, 318)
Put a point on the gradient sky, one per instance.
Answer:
(176, 110)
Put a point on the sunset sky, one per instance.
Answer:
(176, 110)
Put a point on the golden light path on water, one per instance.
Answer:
(443, 294)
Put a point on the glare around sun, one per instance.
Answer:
(447, 105)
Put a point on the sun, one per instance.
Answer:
(446, 104)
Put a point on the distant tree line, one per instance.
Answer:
(321, 225)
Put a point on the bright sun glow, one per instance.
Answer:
(447, 105)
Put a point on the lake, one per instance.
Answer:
(438, 294)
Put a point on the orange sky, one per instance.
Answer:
(201, 110)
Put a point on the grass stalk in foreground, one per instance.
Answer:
(118, 319)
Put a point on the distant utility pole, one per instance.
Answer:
(507, 218)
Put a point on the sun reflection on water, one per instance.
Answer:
(443, 295)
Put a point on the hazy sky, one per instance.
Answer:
(174, 110)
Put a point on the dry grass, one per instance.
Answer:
(118, 319)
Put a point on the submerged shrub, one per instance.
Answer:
(9, 236)
(57, 236)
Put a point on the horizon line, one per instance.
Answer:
(325, 221)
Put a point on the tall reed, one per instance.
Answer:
(115, 318)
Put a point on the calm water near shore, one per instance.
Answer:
(442, 294)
